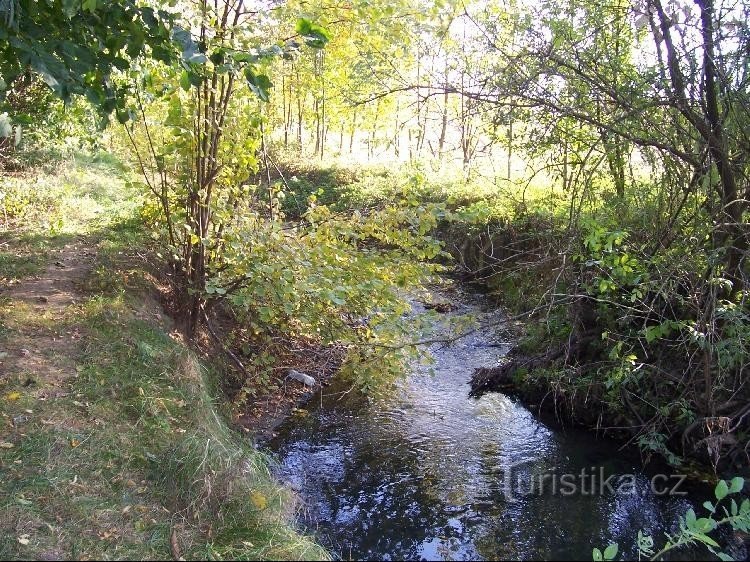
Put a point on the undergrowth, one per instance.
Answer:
(113, 441)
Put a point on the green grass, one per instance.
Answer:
(480, 196)
(20, 262)
(120, 442)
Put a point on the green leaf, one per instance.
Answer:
(120, 63)
(194, 57)
(709, 506)
(314, 35)
(123, 116)
(736, 484)
(705, 539)
(597, 555)
(725, 557)
(182, 37)
(705, 525)
(185, 80)
(611, 551)
(721, 491)
(218, 57)
(260, 84)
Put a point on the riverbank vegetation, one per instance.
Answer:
(114, 442)
(298, 171)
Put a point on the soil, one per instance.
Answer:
(45, 356)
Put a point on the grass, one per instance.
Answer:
(112, 442)
(44, 209)
(479, 195)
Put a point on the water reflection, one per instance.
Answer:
(426, 474)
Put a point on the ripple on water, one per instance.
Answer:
(429, 474)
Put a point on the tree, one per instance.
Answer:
(209, 131)
(76, 45)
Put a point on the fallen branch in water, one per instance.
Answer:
(480, 326)
(486, 379)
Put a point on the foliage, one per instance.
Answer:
(694, 530)
(76, 45)
(338, 279)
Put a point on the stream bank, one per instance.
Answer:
(432, 473)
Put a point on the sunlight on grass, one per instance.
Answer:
(113, 445)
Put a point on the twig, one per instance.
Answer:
(224, 348)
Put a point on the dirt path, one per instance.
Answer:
(42, 350)
(56, 287)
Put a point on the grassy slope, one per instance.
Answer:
(111, 442)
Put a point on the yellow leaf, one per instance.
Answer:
(74, 443)
(258, 500)
(11, 396)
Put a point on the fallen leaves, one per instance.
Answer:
(258, 500)
(6, 445)
(108, 534)
(13, 396)
(23, 539)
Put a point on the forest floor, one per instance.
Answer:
(112, 441)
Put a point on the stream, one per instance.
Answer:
(433, 474)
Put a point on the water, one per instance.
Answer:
(433, 474)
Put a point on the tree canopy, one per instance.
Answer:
(76, 45)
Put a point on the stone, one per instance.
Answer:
(307, 380)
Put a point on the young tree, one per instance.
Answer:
(211, 129)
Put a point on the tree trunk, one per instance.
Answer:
(283, 109)
(444, 122)
(734, 238)
(299, 112)
(396, 130)
(354, 129)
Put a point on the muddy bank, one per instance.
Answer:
(262, 416)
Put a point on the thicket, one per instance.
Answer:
(587, 162)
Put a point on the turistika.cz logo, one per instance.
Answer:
(519, 482)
